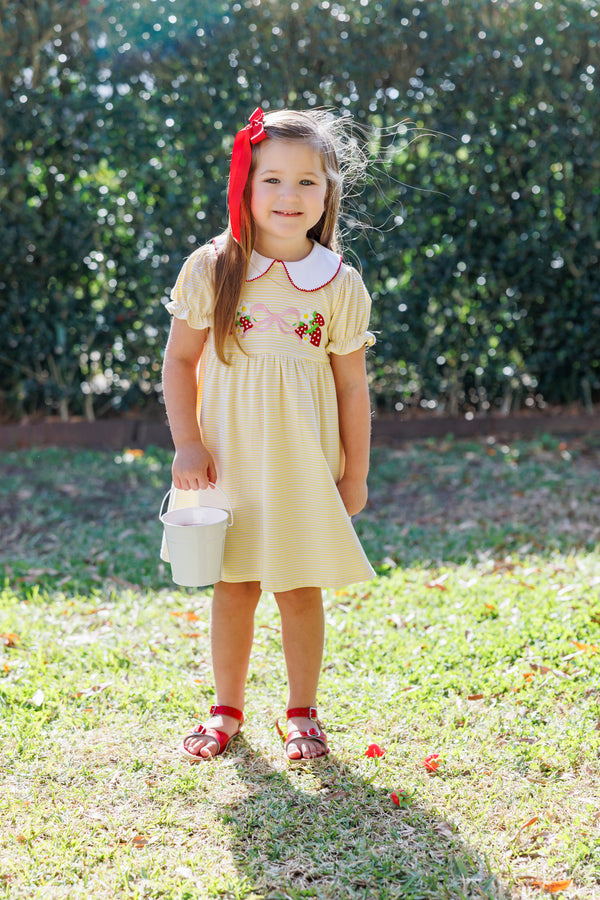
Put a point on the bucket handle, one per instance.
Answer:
(171, 489)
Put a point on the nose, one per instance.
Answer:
(288, 190)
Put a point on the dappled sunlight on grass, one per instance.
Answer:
(470, 661)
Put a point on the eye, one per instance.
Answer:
(271, 180)
(306, 181)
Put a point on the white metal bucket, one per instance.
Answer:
(195, 537)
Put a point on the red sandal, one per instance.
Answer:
(222, 739)
(315, 733)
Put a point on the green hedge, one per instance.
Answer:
(482, 251)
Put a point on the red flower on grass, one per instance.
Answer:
(374, 751)
(397, 796)
(432, 762)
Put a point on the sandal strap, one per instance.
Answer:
(221, 737)
(304, 712)
(313, 734)
(228, 711)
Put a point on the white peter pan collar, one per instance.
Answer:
(308, 274)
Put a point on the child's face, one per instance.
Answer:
(288, 198)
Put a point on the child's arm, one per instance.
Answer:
(193, 466)
(354, 411)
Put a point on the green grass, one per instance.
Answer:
(477, 641)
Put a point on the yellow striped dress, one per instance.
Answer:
(270, 419)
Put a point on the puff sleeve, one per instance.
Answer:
(350, 316)
(193, 295)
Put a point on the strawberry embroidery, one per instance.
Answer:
(243, 321)
(258, 316)
(310, 328)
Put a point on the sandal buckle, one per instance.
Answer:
(306, 712)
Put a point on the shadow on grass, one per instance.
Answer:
(459, 502)
(324, 830)
(92, 517)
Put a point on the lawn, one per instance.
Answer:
(471, 660)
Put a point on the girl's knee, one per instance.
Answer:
(299, 597)
(243, 592)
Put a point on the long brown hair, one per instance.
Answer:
(320, 130)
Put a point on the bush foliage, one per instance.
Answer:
(480, 240)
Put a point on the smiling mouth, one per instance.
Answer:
(283, 212)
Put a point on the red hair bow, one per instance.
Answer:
(240, 166)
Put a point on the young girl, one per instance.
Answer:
(268, 343)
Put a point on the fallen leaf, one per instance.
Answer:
(9, 639)
(123, 583)
(590, 647)
(337, 795)
(139, 840)
(528, 676)
(95, 689)
(374, 751)
(543, 670)
(475, 697)
(438, 583)
(553, 887)
(188, 615)
(445, 829)
(532, 821)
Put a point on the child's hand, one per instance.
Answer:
(354, 494)
(193, 467)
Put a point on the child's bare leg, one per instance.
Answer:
(302, 635)
(231, 637)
